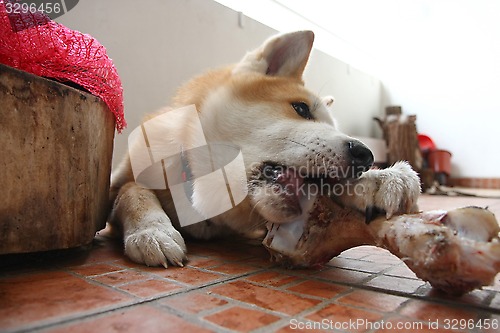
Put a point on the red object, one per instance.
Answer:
(425, 143)
(440, 161)
(32, 42)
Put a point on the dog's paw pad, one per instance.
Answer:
(156, 246)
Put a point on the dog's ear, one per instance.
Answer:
(282, 55)
(328, 101)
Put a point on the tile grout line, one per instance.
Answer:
(135, 301)
(231, 303)
(286, 318)
(413, 295)
(477, 313)
(390, 314)
(193, 318)
(326, 302)
(227, 278)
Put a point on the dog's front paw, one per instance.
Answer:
(156, 245)
(397, 189)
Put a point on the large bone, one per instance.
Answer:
(456, 251)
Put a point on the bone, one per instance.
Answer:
(455, 251)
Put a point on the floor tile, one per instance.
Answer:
(120, 277)
(103, 250)
(430, 202)
(272, 278)
(242, 319)
(373, 300)
(401, 270)
(190, 276)
(398, 324)
(150, 288)
(125, 263)
(345, 318)
(24, 263)
(264, 297)
(263, 261)
(480, 298)
(359, 265)
(383, 258)
(344, 275)
(303, 326)
(230, 285)
(233, 269)
(193, 302)
(142, 318)
(95, 269)
(203, 262)
(396, 283)
(359, 252)
(495, 302)
(226, 250)
(429, 311)
(46, 297)
(318, 289)
(477, 297)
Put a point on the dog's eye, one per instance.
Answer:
(302, 110)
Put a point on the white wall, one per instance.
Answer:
(465, 121)
(358, 96)
(156, 45)
(437, 59)
(450, 78)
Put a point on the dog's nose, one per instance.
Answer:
(362, 156)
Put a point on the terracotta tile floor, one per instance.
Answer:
(232, 287)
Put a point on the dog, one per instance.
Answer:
(287, 137)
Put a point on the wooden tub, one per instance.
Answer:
(55, 163)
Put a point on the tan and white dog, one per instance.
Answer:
(287, 137)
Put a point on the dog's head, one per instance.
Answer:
(286, 133)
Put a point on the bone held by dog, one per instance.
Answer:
(455, 251)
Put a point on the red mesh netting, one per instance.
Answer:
(34, 43)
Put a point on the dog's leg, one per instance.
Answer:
(394, 190)
(149, 236)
